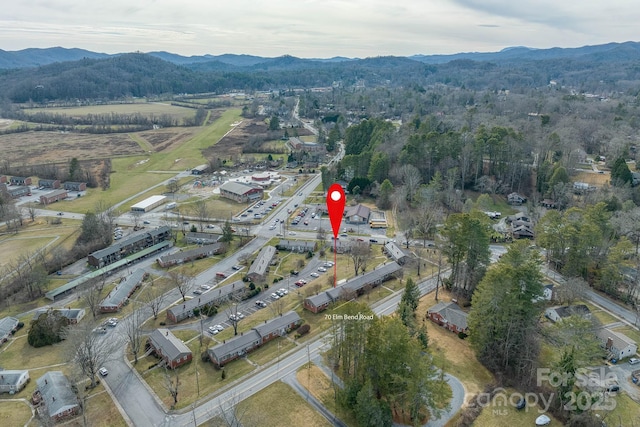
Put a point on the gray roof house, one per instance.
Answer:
(617, 344)
(246, 342)
(296, 245)
(55, 396)
(121, 293)
(259, 268)
(449, 315)
(358, 214)
(559, 313)
(215, 296)
(73, 314)
(12, 381)
(8, 325)
(169, 348)
(191, 254)
(352, 287)
(395, 253)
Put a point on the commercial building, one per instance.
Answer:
(149, 204)
(240, 192)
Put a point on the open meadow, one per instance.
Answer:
(148, 109)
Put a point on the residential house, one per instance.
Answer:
(49, 183)
(358, 214)
(516, 199)
(278, 327)
(12, 381)
(75, 186)
(129, 246)
(23, 190)
(617, 344)
(54, 397)
(202, 238)
(121, 293)
(548, 203)
(53, 196)
(246, 342)
(556, 314)
(169, 348)
(240, 192)
(450, 316)
(213, 297)
(395, 252)
(73, 314)
(8, 326)
(301, 246)
(191, 254)
(259, 269)
(352, 288)
(19, 180)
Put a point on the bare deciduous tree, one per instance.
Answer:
(360, 255)
(181, 281)
(201, 211)
(154, 298)
(133, 333)
(171, 382)
(89, 350)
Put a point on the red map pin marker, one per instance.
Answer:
(335, 206)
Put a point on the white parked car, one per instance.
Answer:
(283, 291)
(103, 372)
(274, 296)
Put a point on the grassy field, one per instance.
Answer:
(507, 416)
(319, 385)
(603, 316)
(626, 412)
(144, 108)
(272, 407)
(14, 413)
(34, 237)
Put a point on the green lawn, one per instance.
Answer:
(497, 415)
(603, 316)
(144, 108)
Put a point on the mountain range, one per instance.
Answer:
(33, 57)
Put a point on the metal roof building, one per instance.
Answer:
(148, 204)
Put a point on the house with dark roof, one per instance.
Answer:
(450, 316)
(12, 381)
(246, 342)
(352, 288)
(259, 268)
(212, 297)
(20, 180)
(121, 293)
(53, 196)
(558, 313)
(49, 183)
(8, 325)
(358, 214)
(202, 238)
(54, 397)
(75, 186)
(129, 246)
(617, 344)
(73, 314)
(169, 348)
(516, 199)
(301, 246)
(192, 254)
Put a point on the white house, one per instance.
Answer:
(556, 314)
(12, 381)
(617, 344)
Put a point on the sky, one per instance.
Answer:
(315, 28)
